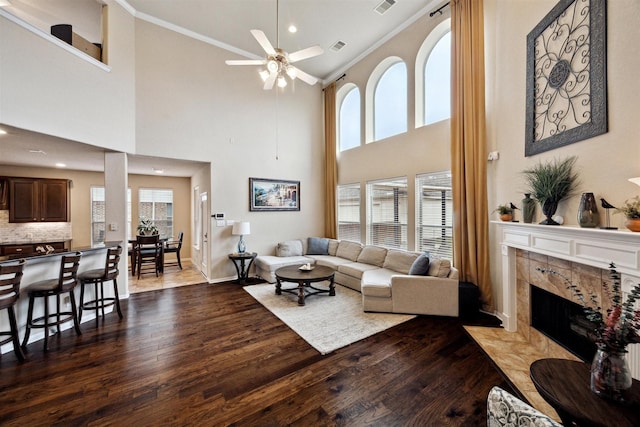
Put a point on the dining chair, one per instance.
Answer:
(64, 284)
(148, 254)
(10, 278)
(174, 246)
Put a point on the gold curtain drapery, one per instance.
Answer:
(330, 166)
(468, 147)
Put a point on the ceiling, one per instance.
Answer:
(227, 24)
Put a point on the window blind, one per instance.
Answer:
(387, 213)
(434, 214)
(349, 212)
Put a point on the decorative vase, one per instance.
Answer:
(548, 209)
(610, 374)
(506, 217)
(528, 209)
(632, 224)
(588, 216)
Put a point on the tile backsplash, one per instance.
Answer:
(32, 231)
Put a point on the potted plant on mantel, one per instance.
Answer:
(146, 227)
(505, 212)
(631, 211)
(551, 182)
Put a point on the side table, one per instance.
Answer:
(566, 385)
(239, 261)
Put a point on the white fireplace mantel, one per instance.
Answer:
(590, 246)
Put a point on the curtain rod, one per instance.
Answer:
(339, 78)
(439, 10)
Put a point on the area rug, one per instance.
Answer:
(326, 322)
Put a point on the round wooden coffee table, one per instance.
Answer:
(304, 279)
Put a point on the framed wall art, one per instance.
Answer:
(274, 195)
(566, 76)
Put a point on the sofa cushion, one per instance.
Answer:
(329, 261)
(349, 250)
(377, 276)
(373, 255)
(377, 290)
(289, 248)
(400, 261)
(439, 268)
(317, 246)
(333, 246)
(420, 266)
(355, 269)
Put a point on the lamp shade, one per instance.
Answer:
(241, 229)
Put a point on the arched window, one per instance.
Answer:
(348, 119)
(386, 102)
(433, 76)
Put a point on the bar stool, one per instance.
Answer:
(65, 283)
(10, 277)
(99, 276)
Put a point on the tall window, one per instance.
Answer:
(434, 214)
(437, 82)
(157, 205)
(349, 212)
(433, 76)
(98, 215)
(348, 117)
(387, 213)
(390, 102)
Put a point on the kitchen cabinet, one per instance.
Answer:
(38, 200)
(30, 248)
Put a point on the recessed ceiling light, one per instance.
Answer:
(37, 152)
(292, 28)
(3, 132)
(158, 170)
(61, 165)
(4, 3)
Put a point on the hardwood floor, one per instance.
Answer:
(211, 355)
(171, 278)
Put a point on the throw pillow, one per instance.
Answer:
(289, 248)
(420, 266)
(317, 246)
(439, 268)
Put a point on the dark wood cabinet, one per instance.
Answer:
(38, 200)
(29, 249)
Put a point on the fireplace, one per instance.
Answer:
(581, 254)
(563, 321)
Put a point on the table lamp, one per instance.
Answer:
(241, 229)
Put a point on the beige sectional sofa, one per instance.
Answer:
(390, 280)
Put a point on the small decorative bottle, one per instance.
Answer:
(588, 216)
(528, 209)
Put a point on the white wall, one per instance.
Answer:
(47, 89)
(191, 105)
(604, 162)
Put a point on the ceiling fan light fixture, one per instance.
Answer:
(264, 75)
(282, 82)
(291, 72)
(272, 66)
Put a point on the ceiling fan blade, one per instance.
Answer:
(245, 61)
(264, 42)
(307, 78)
(268, 84)
(309, 52)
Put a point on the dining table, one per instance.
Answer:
(132, 253)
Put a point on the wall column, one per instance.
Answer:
(115, 186)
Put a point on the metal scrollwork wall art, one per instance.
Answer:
(566, 76)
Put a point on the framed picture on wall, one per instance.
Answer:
(566, 98)
(274, 195)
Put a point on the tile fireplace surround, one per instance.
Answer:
(582, 255)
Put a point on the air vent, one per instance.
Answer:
(338, 45)
(384, 6)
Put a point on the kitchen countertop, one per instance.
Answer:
(38, 258)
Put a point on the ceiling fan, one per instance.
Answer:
(278, 62)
